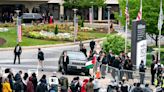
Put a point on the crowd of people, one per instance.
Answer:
(123, 64)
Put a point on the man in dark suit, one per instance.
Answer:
(17, 53)
(92, 45)
(65, 62)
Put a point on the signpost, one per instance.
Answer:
(138, 42)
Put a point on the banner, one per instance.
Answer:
(19, 31)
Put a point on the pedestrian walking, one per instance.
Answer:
(30, 86)
(153, 72)
(17, 53)
(92, 45)
(65, 62)
(6, 86)
(40, 58)
(142, 72)
(96, 85)
(63, 83)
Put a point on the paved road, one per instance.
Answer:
(29, 57)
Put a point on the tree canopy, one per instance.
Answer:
(150, 14)
(83, 3)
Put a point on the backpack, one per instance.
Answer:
(159, 69)
(17, 87)
(72, 85)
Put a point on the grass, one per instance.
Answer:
(94, 34)
(11, 36)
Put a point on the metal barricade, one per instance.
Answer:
(132, 76)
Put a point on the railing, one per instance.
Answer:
(119, 74)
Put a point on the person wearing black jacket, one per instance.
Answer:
(92, 45)
(17, 53)
(65, 62)
(142, 71)
(40, 57)
(153, 72)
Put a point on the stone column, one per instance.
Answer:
(61, 10)
(100, 14)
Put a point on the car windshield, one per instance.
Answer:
(76, 55)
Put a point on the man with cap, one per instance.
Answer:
(54, 82)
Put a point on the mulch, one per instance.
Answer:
(2, 41)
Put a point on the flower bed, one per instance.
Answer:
(47, 32)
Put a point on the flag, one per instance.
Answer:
(19, 30)
(127, 13)
(91, 63)
(160, 19)
(139, 16)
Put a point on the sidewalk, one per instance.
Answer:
(48, 46)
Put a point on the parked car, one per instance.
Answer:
(77, 61)
(29, 17)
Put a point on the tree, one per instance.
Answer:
(56, 30)
(116, 45)
(150, 14)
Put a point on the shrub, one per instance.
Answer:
(56, 30)
(114, 43)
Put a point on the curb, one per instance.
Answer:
(47, 46)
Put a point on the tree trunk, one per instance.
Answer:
(156, 40)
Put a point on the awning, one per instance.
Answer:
(55, 1)
(111, 2)
(31, 16)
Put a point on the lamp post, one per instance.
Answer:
(74, 10)
(17, 12)
(108, 18)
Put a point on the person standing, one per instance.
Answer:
(81, 45)
(90, 86)
(40, 57)
(142, 72)
(64, 83)
(54, 82)
(92, 45)
(84, 50)
(34, 80)
(65, 62)
(153, 72)
(30, 86)
(17, 53)
(6, 86)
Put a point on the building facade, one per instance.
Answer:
(55, 8)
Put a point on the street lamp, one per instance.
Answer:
(109, 7)
(75, 10)
(17, 12)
